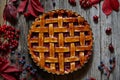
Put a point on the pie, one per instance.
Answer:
(60, 41)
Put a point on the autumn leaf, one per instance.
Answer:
(10, 13)
(106, 7)
(7, 71)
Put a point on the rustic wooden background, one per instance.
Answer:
(101, 40)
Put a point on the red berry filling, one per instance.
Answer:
(66, 54)
(67, 66)
(34, 35)
(87, 43)
(34, 45)
(47, 64)
(36, 54)
(55, 24)
(77, 64)
(57, 66)
(77, 53)
(65, 24)
(46, 54)
(56, 55)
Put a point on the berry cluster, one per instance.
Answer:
(9, 37)
(85, 4)
(107, 70)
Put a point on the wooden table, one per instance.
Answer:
(101, 40)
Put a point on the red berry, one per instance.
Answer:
(108, 31)
(95, 18)
(72, 2)
(111, 48)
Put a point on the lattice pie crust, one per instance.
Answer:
(60, 41)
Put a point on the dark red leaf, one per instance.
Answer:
(11, 69)
(22, 5)
(10, 13)
(115, 4)
(37, 6)
(7, 71)
(8, 77)
(31, 9)
(106, 7)
(4, 66)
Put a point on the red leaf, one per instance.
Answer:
(115, 4)
(10, 13)
(106, 7)
(11, 69)
(8, 77)
(4, 66)
(31, 9)
(37, 6)
(22, 5)
(7, 71)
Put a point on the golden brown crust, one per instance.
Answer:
(60, 41)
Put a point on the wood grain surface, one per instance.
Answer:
(101, 40)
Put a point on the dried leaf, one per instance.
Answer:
(22, 5)
(7, 71)
(106, 7)
(11, 69)
(8, 77)
(115, 4)
(31, 9)
(37, 6)
(10, 13)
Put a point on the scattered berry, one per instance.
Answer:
(110, 61)
(111, 48)
(108, 31)
(85, 4)
(100, 68)
(95, 19)
(72, 2)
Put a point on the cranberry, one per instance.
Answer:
(95, 19)
(9, 37)
(111, 48)
(85, 4)
(108, 31)
(72, 2)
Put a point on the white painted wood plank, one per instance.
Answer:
(116, 42)
(93, 72)
(105, 40)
